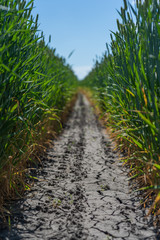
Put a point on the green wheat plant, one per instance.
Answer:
(127, 83)
(35, 85)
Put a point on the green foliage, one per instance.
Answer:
(127, 82)
(34, 81)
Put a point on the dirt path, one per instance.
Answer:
(83, 191)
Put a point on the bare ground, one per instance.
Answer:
(82, 191)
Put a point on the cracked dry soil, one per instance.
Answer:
(82, 191)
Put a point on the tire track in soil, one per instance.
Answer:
(83, 191)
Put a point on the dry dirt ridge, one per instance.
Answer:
(82, 191)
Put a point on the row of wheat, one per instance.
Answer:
(127, 83)
(35, 85)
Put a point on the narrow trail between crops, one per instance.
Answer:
(82, 191)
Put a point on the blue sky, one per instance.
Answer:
(80, 25)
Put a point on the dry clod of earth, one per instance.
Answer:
(84, 193)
